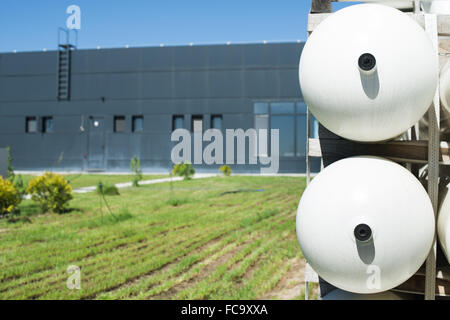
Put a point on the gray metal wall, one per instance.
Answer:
(4, 163)
(154, 82)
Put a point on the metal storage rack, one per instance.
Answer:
(429, 280)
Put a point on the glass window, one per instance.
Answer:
(313, 127)
(47, 124)
(262, 122)
(301, 136)
(216, 122)
(31, 124)
(261, 108)
(301, 107)
(281, 107)
(138, 123)
(119, 124)
(286, 126)
(197, 124)
(301, 133)
(178, 122)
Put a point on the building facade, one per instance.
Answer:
(93, 110)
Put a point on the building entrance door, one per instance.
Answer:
(96, 147)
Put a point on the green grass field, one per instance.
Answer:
(215, 238)
(87, 180)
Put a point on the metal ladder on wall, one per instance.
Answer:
(64, 64)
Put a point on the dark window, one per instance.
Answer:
(31, 124)
(138, 123)
(47, 124)
(286, 126)
(216, 122)
(119, 124)
(177, 122)
(197, 124)
(290, 118)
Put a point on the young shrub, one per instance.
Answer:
(17, 181)
(9, 197)
(135, 167)
(51, 191)
(20, 186)
(185, 170)
(107, 189)
(226, 170)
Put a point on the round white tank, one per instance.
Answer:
(368, 72)
(365, 224)
(443, 223)
(444, 91)
(338, 294)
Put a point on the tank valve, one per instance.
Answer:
(363, 232)
(367, 63)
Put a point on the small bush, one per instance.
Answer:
(226, 170)
(107, 189)
(9, 197)
(185, 170)
(51, 191)
(135, 167)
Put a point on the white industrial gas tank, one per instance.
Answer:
(368, 72)
(365, 224)
(443, 224)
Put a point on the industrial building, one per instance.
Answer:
(93, 110)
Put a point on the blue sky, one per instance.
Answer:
(32, 25)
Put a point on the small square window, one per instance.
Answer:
(31, 124)
(47, 124)
(177, 122)
(119, 124)
(216, 122)
(138, 123)
(286, 126)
